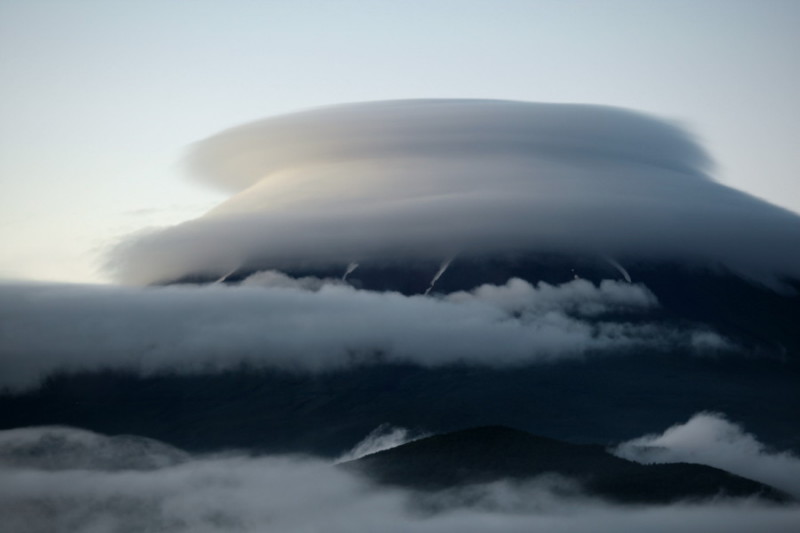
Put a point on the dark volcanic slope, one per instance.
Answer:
(493, 453)
(600, 398)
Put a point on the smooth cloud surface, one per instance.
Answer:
(429, 179)
(273, 321)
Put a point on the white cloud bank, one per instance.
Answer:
(245, 494)
(271, 321)
(429, 179)
(710, 439)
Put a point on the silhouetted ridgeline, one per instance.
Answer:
(495, 453)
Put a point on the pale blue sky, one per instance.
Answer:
(100, 98)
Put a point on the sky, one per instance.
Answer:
(101, 99)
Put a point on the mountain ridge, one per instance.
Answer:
(488, 454)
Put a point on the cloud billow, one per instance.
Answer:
(272, 321)
(711, 439)
(432, 179)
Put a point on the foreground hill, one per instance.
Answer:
(494, 453)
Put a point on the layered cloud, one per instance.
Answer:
(315, 325)
(242, 493)
(429, 179)
(708, 438)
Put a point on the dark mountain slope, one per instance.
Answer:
(600, 398)
(495, 453)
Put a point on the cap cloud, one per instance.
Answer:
(431, 179)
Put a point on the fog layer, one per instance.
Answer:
(237, 492)
(271, 321)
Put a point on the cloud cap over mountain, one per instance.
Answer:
(430, 179)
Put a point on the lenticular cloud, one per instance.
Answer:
(434, 179)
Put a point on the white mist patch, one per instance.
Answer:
(383, 437)
(245, 494)
(351, 267)
(579, 296)
(710, 343)
(438, 275)
(65, 448)
(279, 280)
(710, 439)
(427, 179)
(621, 269)
(312, 325)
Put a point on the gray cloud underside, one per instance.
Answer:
(265, 323)
(434, 179)
(240, 493)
